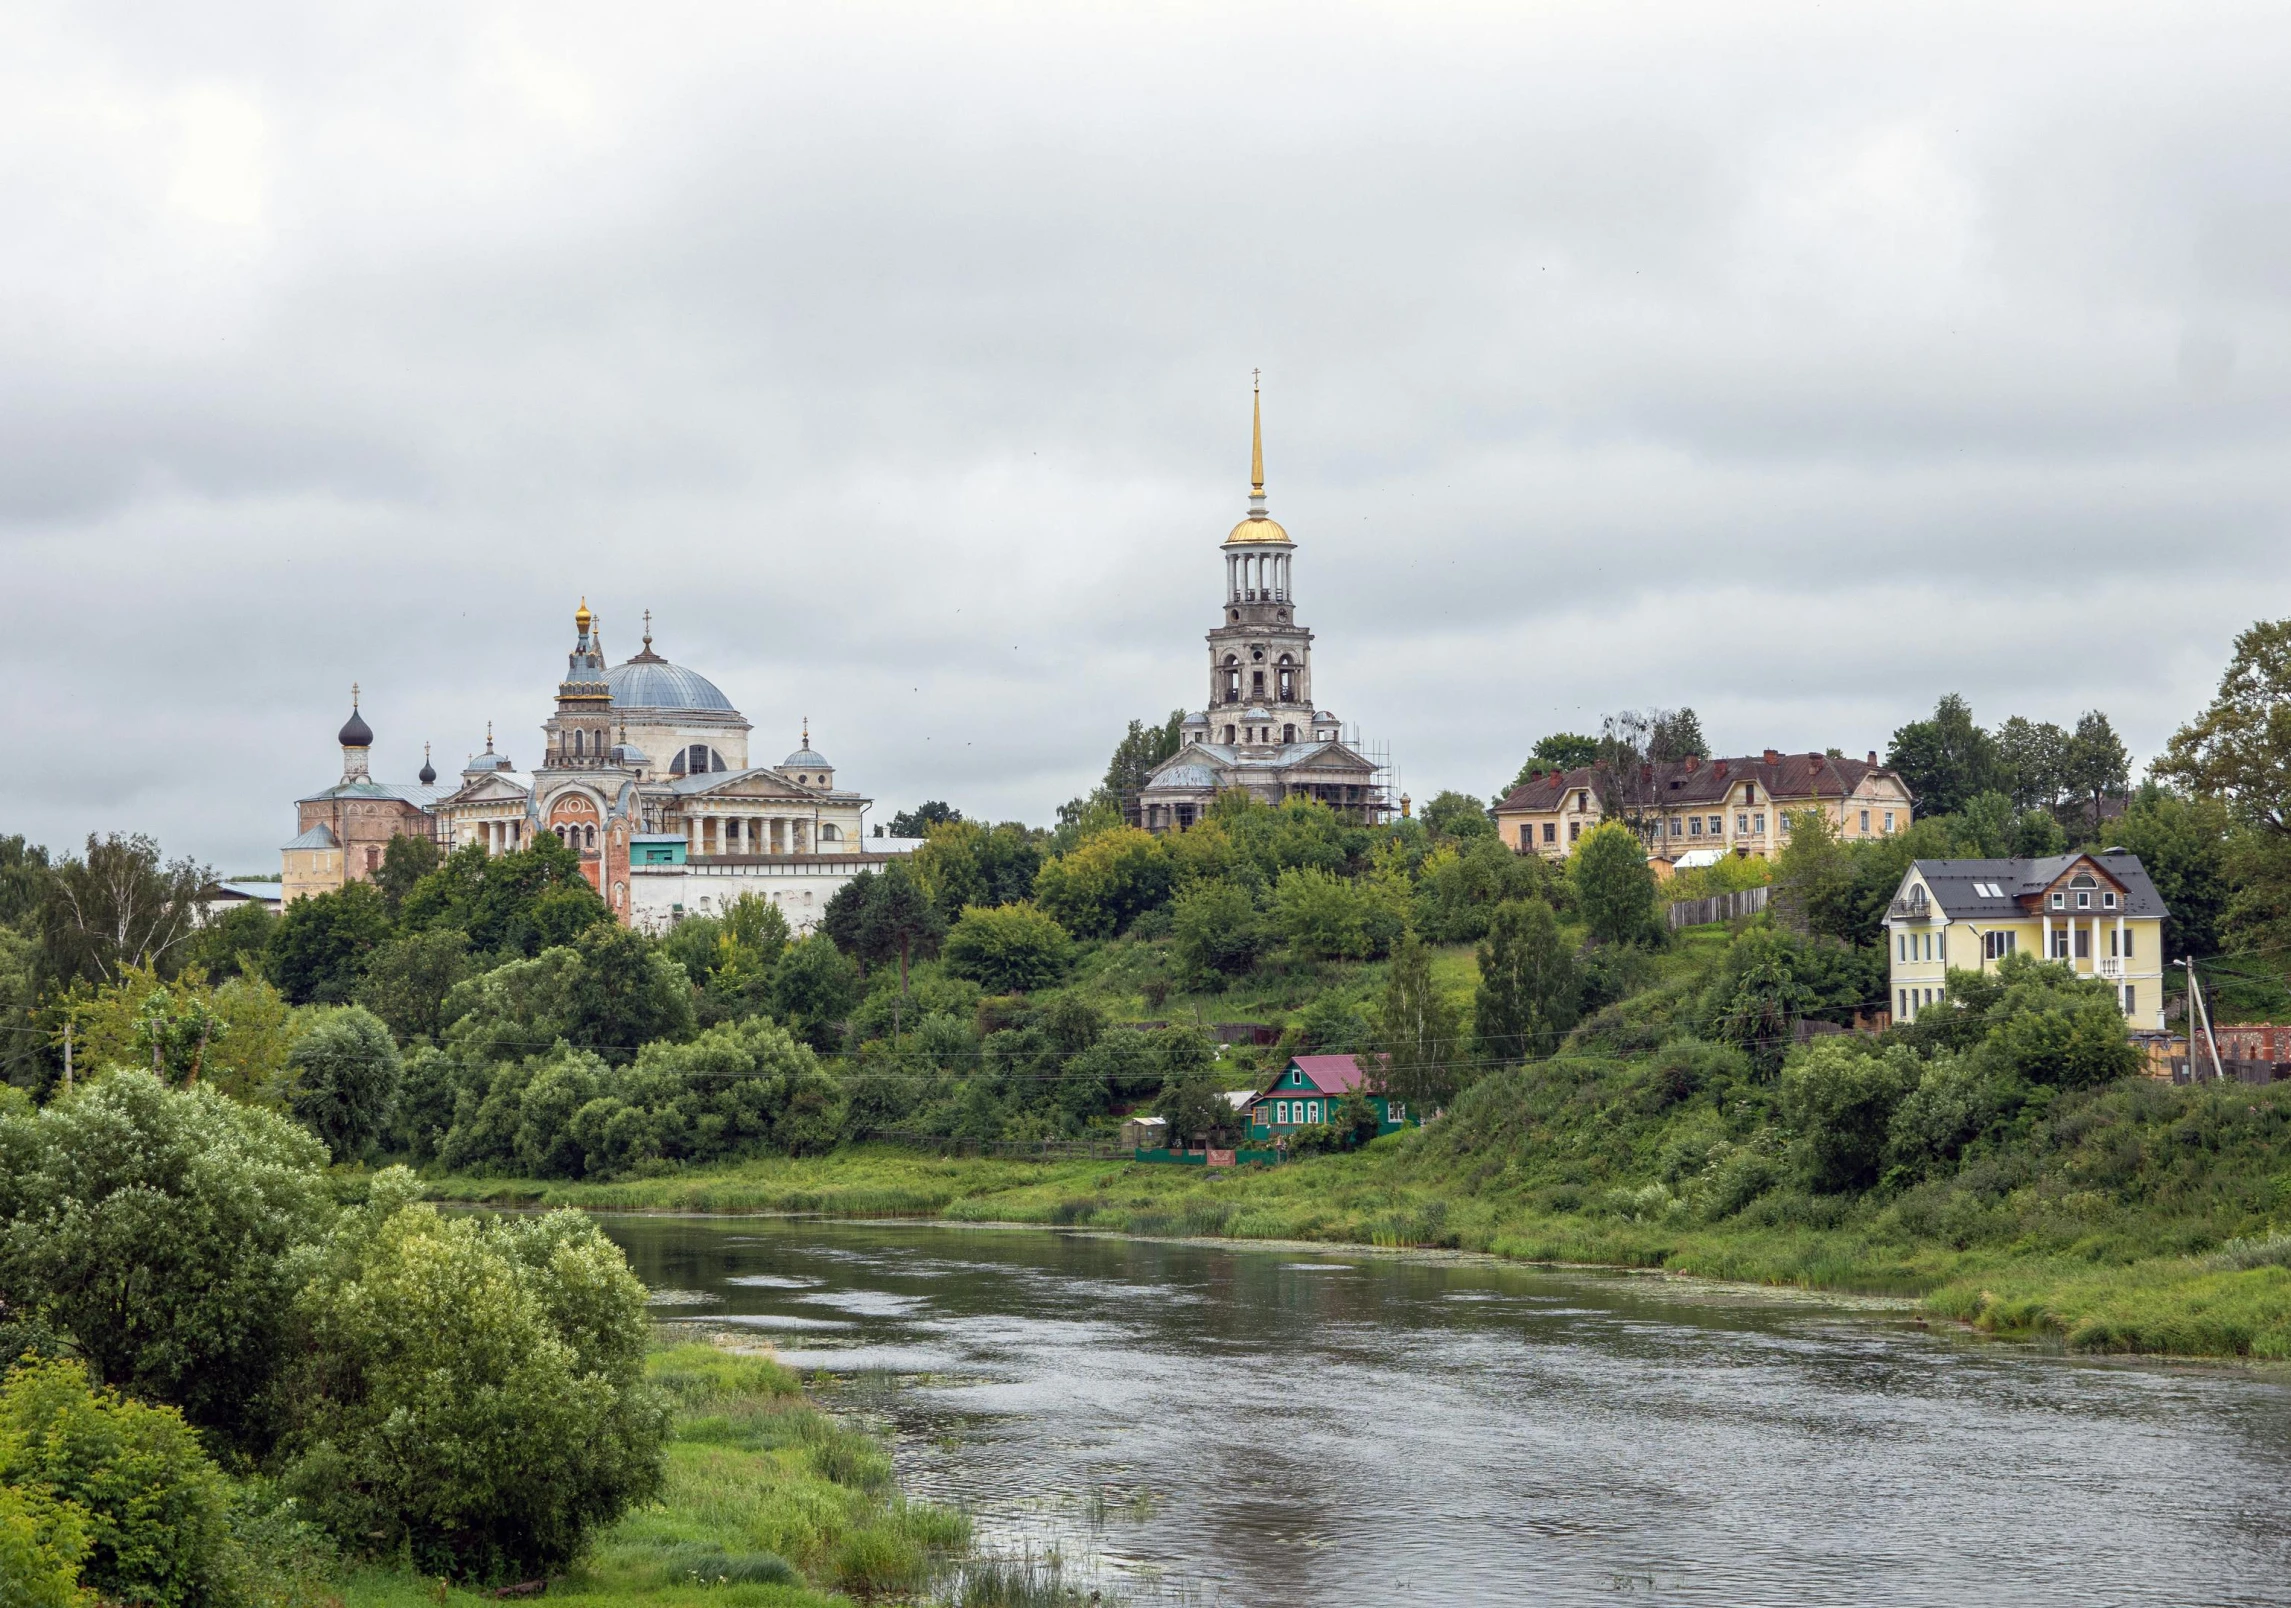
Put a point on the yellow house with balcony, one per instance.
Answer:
(2097, 914)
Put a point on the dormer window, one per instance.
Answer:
(2060, 901)
(2083, 899)
(2108, 901)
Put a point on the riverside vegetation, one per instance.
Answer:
(250, 1367)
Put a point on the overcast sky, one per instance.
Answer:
(1799, 363)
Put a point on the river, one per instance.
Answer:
(1272, 1427)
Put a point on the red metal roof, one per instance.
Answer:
(1787, 778)
(1330, 1074)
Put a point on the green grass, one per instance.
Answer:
(771, 1503)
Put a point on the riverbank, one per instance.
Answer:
(769, 1499)
(2088, 1282)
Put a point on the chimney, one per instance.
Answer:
(1693, 763)
(1873, 756)
(1773, 758)
(1719, 770)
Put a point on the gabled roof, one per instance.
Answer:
(1198, 765)
(1790, 778)
(1328, 1074)
(419, 796)
(318, 837)
(1970, 890)
(726, 781)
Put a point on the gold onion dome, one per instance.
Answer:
(1259, 526)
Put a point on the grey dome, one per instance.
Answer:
(807, 759)
(656, 684)
(355, 732)
(1187, 776)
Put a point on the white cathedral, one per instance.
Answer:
(1261, 731)
(644, 774)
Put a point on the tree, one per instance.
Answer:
(232, 944)
(899, 919)
(2183, 845)
(405, 862)
(154, 1506)
(1614, 886)
(2239, 749)
(24, 873)
(319, 948)
(346, 1073)
(1675, 734)
(2033, 760)
(1561, 751)
(918, 821)
(470, 1392)
(1194, 1107)
(1840, 1096)
(1529, 988)
(1947, 759)
(407, 981)
(2096, 767)
(625, 994)
(119, 908)
(1216, 933)
(813, 990)
(1322, 916)
(965, 863)
(1458, 815)
(1141, 749)
(520, 903)
(1009, 949)
(843, 919)
(1418, 1030)
(158, 1228)
(1100, 887)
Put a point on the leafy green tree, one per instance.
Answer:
(1675, 735)
(625, 994)
(42, 1544)
(2033, 761)
(153, 1506)
(24, 872)
(1100, 887)
(119, 908)
(2239, 749)
(1840, 1095)
(1529, 987)
(1216, 933)
(157, 1228)
(407, 980)
(2097, 767)
(346, 1072)
(1614, 886)
(918, 821)
(520, 903)
(1561, 751)
(233, 944)
(1946, 759)
(1322, 916)
(1457, 890)
(814, 988)
(470, 1392)
(1419, 1033)
(319, 949)
(1194, 1107)
(405, 862)
(1988, 826)
(965, 864)
(899, 920)
(1141, 749)
(1759, 998)
(1010, 949)
(2183, 844)
(1458, 815)
(843, 919)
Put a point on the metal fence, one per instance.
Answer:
(1718, 907)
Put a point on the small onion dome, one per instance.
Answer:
(428, 773)
(355, 732)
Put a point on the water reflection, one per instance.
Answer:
(1270, 1428)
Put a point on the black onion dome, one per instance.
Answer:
(428, 773)
(355, 732)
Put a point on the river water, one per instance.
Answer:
(1275, 1428)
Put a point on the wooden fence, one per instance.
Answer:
(1718, 907)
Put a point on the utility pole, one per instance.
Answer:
(67, 1055)
(2198, 1009)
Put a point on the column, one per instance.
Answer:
(692, 836)
(2044, 944)
(755, 834)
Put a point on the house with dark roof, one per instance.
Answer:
(1309, 1089)
(2097, 914)
(1742, 805)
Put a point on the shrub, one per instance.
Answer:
(346, 1072)
(470, 1392)
(1217, 932)
(41, 1545)
(1322, 916)
(1840, 1094)
(156, 1227)
(1008, 949)
(1953, 1103)
(152, 1504)
(1614, 886)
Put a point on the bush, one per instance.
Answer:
(1217, 932)
(157, 1228)
(41, 1546)
(1614, 886)
(346, 1072)
(1008, 949)
(149, 1502)
(470, 1392)
(1322, 916)
(1840, 1094)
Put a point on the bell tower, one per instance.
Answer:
(1260, 659)
(579, 734)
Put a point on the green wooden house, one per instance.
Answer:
(1309, 1089)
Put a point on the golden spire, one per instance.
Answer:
(1256, 434)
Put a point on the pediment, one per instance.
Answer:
(756, 786)
(489, 790)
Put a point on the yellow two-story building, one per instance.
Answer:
(2097, 914)
(1742, 806)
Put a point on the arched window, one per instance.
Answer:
(1232, 680)
(1288, 680)
(696, 759)
(579, 742)
(828, 834)
(1228, 733)
(589, 837)
(1288, 734)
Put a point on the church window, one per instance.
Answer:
(589, 836)
(1228, 733)
(1257, 682)
(1288, 734)
(373, 861)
